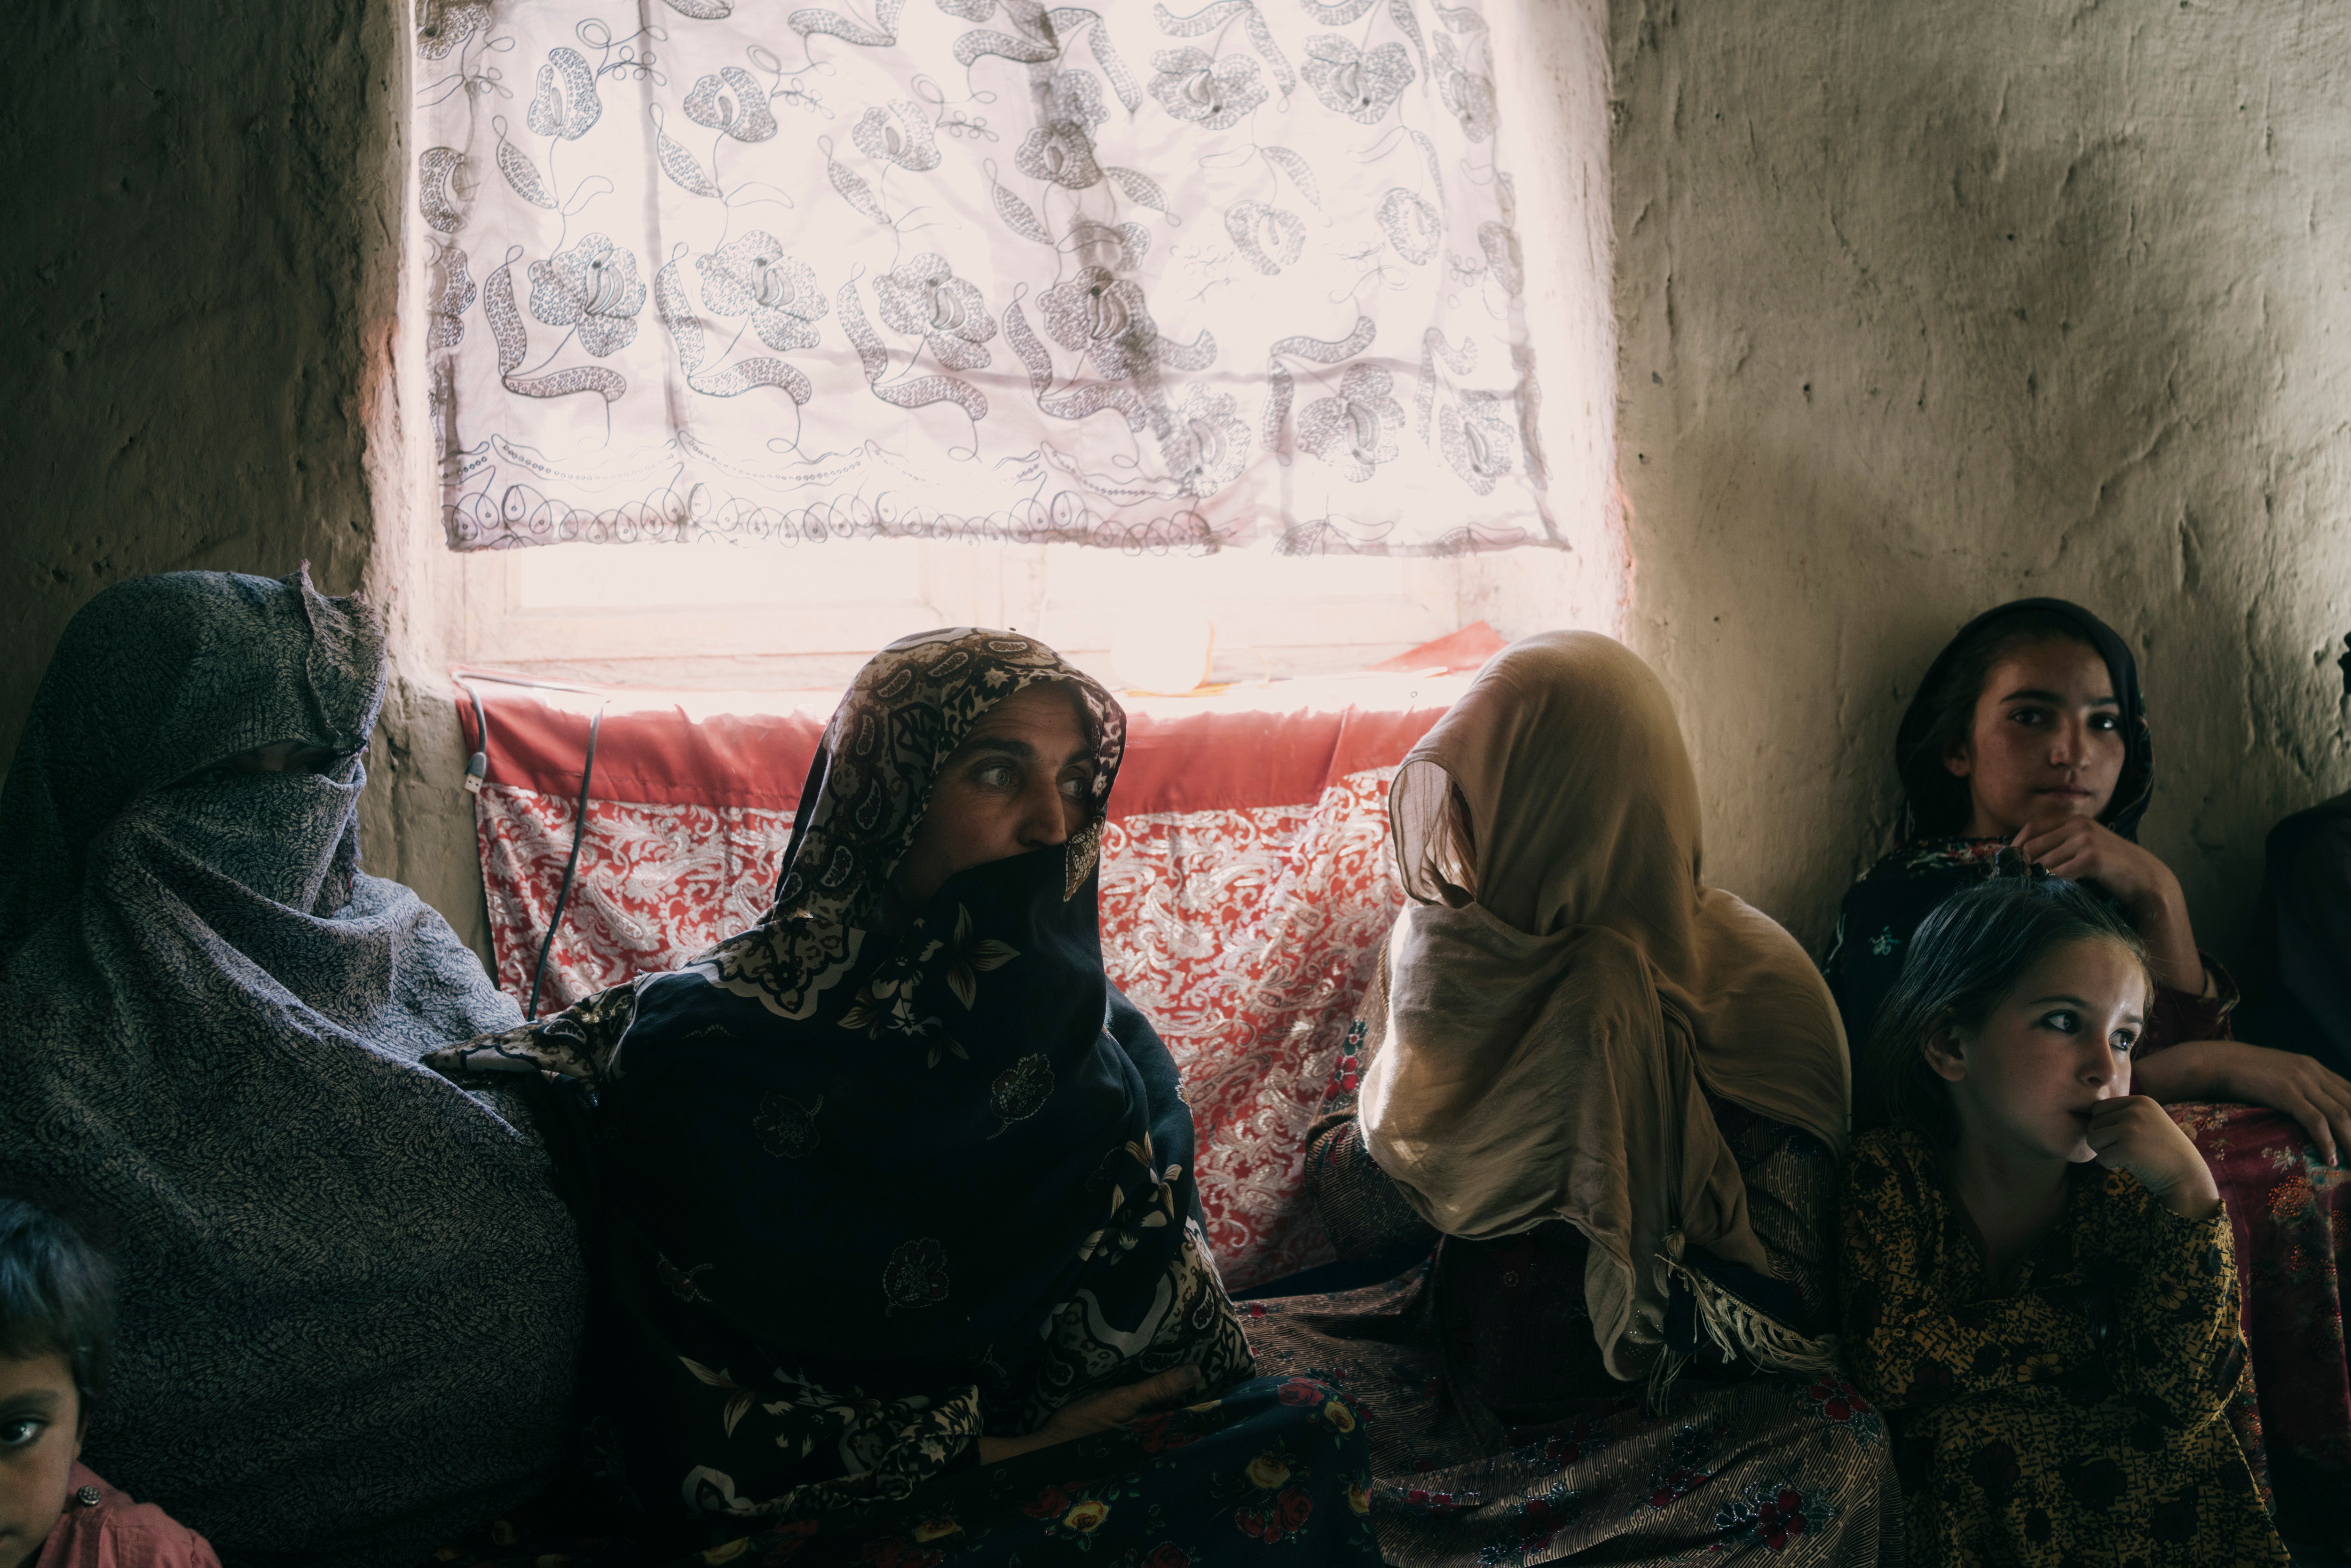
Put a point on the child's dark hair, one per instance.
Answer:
(57, 1295)
(1939, 797)
(1967, 955)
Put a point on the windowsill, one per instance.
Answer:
(730, 617)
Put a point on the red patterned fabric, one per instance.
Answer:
(2292, 1216)
(1246, 885)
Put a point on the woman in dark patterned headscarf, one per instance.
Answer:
(210, 1054)
(890, 1198)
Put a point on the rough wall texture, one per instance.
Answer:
(197, 238)
(1927, 307)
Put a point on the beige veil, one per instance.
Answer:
(1552, 1036)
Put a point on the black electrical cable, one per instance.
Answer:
(478, 765)
(477, 768)
(570, 867)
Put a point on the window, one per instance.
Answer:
(494, 85)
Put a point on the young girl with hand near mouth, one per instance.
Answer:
(2028, 745)
(2039, 1284)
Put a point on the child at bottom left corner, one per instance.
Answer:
(56, 1312)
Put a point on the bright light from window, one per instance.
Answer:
(1229, 577)
(762, 613)
(675, 576)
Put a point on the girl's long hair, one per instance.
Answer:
(1965, 957)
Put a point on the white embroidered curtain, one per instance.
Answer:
(1120, 277)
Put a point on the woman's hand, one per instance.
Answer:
(2287, 1081)
(1097, 1411)
(2133, 1134)
(2079, 850)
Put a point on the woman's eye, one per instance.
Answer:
(1075, 787)
(2122, 1040)
(2063, 1021)
(2028, 715)
(21, 1432)
(998, 776)
(2105, 721)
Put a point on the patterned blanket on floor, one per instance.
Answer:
(1792, 1468)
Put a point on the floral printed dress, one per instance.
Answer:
(2085, 1414)
(1275, 1471)
(2290, 1212)
(1776, 1468)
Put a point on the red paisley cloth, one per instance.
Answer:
(1246, 884)
(2292, 1216)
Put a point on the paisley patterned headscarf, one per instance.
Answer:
(872, 1179)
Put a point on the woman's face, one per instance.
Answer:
(1022, 780)
(2027, 1082)
(2047, 741)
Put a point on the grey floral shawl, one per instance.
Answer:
(350, 1295)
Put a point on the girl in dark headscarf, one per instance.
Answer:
(890, 1197)
(210, 1053)
(2027, 752)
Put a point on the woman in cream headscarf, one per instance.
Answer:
(1617, 1097)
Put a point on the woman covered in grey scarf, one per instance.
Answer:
(350, 1295)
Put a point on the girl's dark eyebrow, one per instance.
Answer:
(36, 1401)
(2035, 694)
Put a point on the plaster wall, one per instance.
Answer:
(1923, 307)
(197, 263)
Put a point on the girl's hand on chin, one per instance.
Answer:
(2079, 850)
(2134, 1134)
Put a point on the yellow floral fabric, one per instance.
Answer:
(2080, 1416)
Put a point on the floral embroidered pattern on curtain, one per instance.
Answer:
(982, 267)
